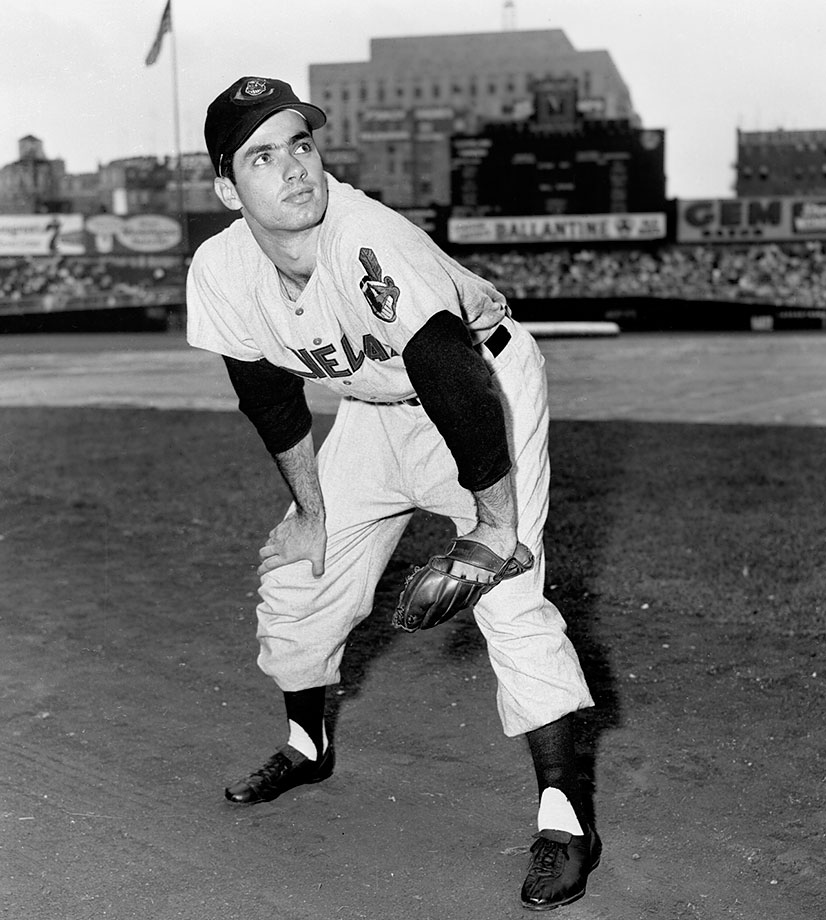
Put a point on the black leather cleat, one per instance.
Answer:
(284, 770)
(559, 868)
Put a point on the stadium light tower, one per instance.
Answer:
(509, 16)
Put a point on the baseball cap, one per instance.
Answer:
(242, 107)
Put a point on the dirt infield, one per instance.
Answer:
(688, 559)
(761, 378)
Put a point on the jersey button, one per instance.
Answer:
(347, 383)
(299, 311)
(316, 341)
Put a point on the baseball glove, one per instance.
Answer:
(432, 595)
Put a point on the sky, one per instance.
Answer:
(72, 72)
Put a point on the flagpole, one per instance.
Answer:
(176, 118)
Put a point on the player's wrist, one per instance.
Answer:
(501, 537)
(311, 513)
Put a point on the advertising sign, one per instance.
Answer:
(71, 235)
(781, 218)
(809, 217)
(41, 235)
(139, 233)
(567, 228)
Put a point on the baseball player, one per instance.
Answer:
(443, 407)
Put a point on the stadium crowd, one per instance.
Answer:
(787, 275)
(791, 275)
(52, 283)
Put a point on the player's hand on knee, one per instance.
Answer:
(297, 537)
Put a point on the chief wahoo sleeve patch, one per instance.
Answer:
(379, 291)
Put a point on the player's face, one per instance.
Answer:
(279, 176)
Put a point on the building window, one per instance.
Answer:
(345, 94)
(437, 91)
(380, 92)
(363, 93)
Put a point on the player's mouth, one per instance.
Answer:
(300, 195)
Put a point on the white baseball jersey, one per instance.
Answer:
(378, 279)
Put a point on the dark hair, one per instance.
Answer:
(227, 170)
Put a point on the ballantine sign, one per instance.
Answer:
(561, 228)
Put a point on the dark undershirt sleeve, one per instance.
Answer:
(457, 391)
(273, 400)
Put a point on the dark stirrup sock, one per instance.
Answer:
(305, 708)
(554, 756)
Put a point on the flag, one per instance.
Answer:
(164, 27)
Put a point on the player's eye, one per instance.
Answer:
(261, 159)
(304, 147)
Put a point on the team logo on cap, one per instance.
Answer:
(252, 91)
(255, 87)
(380, 292)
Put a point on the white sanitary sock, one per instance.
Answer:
(557, 814)
(301, 741)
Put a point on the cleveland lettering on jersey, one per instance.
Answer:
(328, 361)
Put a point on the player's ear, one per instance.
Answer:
(226, 193)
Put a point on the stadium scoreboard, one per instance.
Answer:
(596, 168)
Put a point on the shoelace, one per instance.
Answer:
(274, 768)
(549, 858)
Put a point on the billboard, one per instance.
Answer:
(41, 235)
(570, 228)
(101, 234)
(761, 220)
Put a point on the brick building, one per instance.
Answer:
(32, 184)
(391, 118)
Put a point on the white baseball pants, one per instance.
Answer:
(378, 464)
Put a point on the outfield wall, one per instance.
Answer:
(655, 314)
(631, 314)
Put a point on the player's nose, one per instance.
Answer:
(294, 170)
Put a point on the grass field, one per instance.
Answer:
(687, 559)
